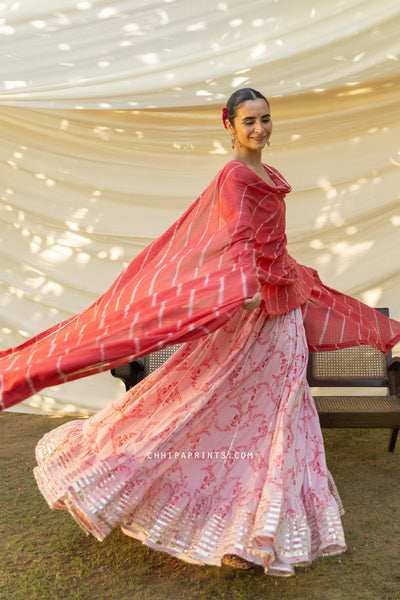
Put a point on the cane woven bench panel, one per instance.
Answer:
(360, 362)
(158, 358)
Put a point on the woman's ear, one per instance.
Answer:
(229, 127)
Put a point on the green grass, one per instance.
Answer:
(44, 554)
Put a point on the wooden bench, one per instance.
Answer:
(356, 367)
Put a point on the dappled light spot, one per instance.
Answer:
(38, 24)
(201, 26)
(72, 225)
(102, 132)
(6, 29)
(22, 332)
(327, 187)
(317, 244)
(84, 5)
(81, 213)
(349, 253)
(133, 29)
(47, 180)
(74, 240)
(56, 254)
(53, 288)
(151, 58)
(14, 84)
(107, 13)
(240, 81)
(35, 244)
(35, 282)
(83, 258)
(258, 51)
(116, 253)
(182, 146)
(355, 92)
(372, 296)
(351, 230)
(218, 148)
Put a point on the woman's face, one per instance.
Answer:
(252, 126)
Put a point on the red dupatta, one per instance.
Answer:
(228, 245)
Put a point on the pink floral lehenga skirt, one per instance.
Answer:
(218, 452)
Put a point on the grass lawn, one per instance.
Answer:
(45, 556)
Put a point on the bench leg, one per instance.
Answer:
(392, 440)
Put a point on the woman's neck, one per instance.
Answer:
(253, 160)
(255, 164)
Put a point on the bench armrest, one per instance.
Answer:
(130, 373)
(394, 375)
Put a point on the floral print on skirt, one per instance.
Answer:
(217, 452)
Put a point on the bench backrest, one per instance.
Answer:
(156, 359)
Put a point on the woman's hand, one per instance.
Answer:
(253, 302)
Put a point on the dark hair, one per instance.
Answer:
(238, 97)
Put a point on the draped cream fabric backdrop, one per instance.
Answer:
(111, 126)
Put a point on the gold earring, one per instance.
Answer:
(233, 141)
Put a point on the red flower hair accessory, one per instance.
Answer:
(224, 116)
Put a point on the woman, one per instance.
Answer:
(217, 457)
